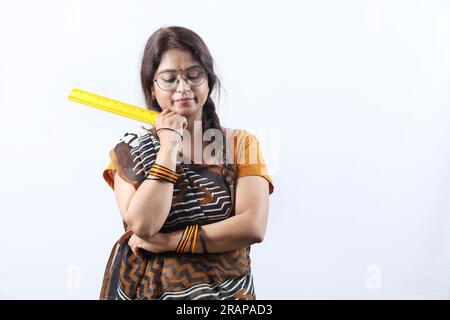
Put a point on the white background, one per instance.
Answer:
(350, 101)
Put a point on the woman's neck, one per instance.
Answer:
(194, 128)
(192, 145)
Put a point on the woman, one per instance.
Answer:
(189, 216)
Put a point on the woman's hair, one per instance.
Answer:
(183, 39)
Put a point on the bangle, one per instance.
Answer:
(193, 242)
(202, 240)
(171, 130)
(188, 239)
(182, 240)
(163, 173)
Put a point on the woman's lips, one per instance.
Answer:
(184, 101)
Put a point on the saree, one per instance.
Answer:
(201, 196)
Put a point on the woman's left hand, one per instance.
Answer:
(157, 243)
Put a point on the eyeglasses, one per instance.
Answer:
(193, 76)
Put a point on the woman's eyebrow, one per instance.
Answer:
(194, 65)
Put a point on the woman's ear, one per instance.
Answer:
(152, 92)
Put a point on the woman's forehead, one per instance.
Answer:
(176, 59)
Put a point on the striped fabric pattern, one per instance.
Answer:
(201, 196)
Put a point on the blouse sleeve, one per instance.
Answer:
(108, 174)
(126, 161)
(249, 159)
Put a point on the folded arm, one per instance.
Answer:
(248, 226)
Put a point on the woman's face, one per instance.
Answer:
(177, 60)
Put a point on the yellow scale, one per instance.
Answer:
(113, 106)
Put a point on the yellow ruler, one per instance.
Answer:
(113, 106)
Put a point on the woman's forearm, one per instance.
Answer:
(226, 235)
(146, 217)
(230, 234)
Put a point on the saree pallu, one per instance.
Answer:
(201, 196)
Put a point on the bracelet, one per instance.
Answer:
(150, 178)
(195, 239)
(163, 173)
(202, 240)
(171, 130)
(188, 239)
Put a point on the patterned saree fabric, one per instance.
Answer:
(201, 196)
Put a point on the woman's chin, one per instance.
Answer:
(185, 110)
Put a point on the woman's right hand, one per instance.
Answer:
(172, 120)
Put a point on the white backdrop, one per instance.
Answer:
(350, 101)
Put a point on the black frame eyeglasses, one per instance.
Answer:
(168, 80)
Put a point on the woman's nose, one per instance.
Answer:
(182, 83)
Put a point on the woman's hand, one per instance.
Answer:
(157, 243)
(172, 120)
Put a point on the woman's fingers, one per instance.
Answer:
(134, 247)
(173, 120)
(137, 252)
(184, 123)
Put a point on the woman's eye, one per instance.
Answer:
(169, 79)
(193, 74)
